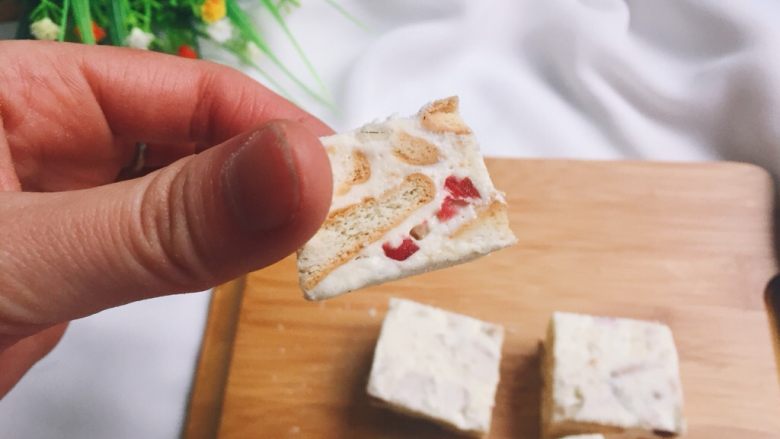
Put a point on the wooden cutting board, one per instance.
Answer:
(686, 244)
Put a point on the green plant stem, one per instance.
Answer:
(148, 16)
(64, 20)
(242, 22)
(118, 28)
(83, 18)
(246, 59)
(346, 14)
(280, 20)
(45, 9)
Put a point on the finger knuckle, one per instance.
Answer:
(164, 232)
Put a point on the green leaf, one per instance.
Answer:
(274, 10)
(83, 20)
(242, 22)
(117, 29)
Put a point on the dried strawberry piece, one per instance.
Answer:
(449, 207)
(403, 251)
(461, 188)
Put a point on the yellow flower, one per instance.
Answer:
(212, 10)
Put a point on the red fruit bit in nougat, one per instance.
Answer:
(461, 189)
(449, 207)
(403, 251)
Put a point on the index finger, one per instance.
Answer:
(72, 113)
(134, 94)
(163, 98)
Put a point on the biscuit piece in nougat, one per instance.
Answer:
(411, 194)
(613, 376)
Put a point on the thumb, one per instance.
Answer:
(234, 208)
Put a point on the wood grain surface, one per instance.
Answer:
(208, 387)
(687, 244)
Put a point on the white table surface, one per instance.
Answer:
(601, 79)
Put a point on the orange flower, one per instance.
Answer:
(186, 51)
(97, 32)
(212, 10)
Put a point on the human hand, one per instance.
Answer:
(73, 243)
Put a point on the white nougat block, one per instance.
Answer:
(618, 377)
(437, 365)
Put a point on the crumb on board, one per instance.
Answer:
(372, 312)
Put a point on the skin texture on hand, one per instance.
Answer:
(242, 182)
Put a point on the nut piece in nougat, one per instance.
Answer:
(437, 365)
(614, 376)
(410, 195)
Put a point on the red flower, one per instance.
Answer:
(186, 51)
(97, 32)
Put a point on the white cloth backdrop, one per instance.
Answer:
(606, 79)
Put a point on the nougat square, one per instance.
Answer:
(437, 365)
(614, 376)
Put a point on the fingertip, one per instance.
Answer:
(314, 173)
(278, 186)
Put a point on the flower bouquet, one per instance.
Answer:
(173, 26)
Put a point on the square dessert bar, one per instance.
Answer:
(411, 194)
(617, 377)
(437, 365)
